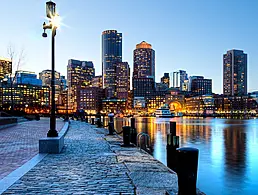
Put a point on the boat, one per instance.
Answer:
(163, 112)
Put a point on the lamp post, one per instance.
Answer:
(53, 24)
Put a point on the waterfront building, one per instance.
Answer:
(111, 53)
(97, 81)
(165, 79)
(27, 77)
(144, 71)
(29, 98)
(90, 99)
(200, 86)
(179, 78)
(116, 106)
(200, 105)
(5, 67)
(122, 87)
(143, 87)
(235, 73)
(79, 73)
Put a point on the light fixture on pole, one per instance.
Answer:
(54, 22)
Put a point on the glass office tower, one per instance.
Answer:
(111, 53)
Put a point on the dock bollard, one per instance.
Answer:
(86, 119)
(172, 145)
(126, 136)
(187, 165)
(173, 128)
(92, 121)
(133, 138)
(111, 128)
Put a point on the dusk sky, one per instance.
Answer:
(189, 35)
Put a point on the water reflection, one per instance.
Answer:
(228, 160)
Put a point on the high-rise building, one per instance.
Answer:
(5, 67)
(178, 79)
(144, 71)
(45, 76)
(200, 86)
(27, 77)
(122, 80)
(111, 53)
(79, 73)
(144, 61)
(166, 80)
(235, 73)
(97, 81)
(63, 83)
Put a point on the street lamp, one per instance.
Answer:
(54, 22)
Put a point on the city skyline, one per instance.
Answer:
(192, 42)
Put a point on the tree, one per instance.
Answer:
(17, 59)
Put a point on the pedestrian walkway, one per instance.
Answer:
(20, 143)
(94, 163)
(86, 166)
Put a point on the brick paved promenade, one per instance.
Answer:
(94, 163)
(20, 143)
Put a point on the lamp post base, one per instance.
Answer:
(52, 133)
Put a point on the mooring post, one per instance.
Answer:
(187, 170)
(92, 121)
(172, 145)
(133, 132)
(126, 136)
(173, 128)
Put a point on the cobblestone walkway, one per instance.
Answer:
(87, 165)
(20, 143)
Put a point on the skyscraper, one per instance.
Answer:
(79, 73)
(235, 73)
(5, 67)
(111, 53)
(144, 71)
(179, 78)
(144, 61)
(122, 80)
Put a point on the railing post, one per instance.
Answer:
(92, 121)
(187, 166)
(86, 119)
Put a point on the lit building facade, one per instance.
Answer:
(143, 87)
(97, 81)
(200, 86)
(5, 67)
(179, 78)
(79, 73)
(166, 79)
(144, 71)
(235, 73)
(117, 106)
(111, 53)
(90, 99)
(45, 77)
(29, 98)
(122, 87)
(200, 105)
(27, 78)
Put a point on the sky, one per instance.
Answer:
(189, 35)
